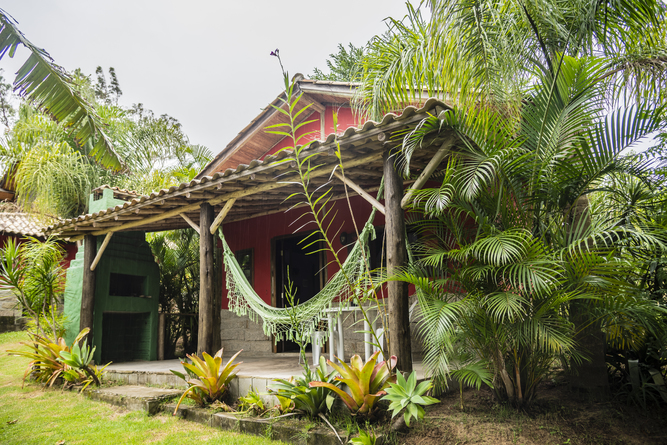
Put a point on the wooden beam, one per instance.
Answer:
(398, 314)
(206, 283)
(104, 245)
(218, 219)
(322, 149)
(260, 188)
(428, 170)
(374, 202)
(190, 222)
(86, 317)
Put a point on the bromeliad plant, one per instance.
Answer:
(366, 381)
(79, 357)
(308, 398)
(407, 395)
(207, 379)
(51, 360)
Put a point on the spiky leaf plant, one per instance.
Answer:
(207, 379)
(366, 381)
(407, 396)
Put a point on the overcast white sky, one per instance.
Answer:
(205, 63)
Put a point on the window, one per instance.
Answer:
(122, 285)
(245, 260)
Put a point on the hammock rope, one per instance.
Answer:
(243, 300)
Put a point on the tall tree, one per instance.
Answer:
(344, 66)
(488, 52)
(51, 89)
(6, 109)
(493, 54)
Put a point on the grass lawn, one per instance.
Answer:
(33, 415)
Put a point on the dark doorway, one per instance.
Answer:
(126, 336)
(304, 268)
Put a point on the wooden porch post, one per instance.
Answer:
(88, 286)
(217, 295)
(397, 256)
(206, 282)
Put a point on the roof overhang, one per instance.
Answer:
(260, 187)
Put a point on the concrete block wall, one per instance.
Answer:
(10, 315)
(8, 304)
(242, 333)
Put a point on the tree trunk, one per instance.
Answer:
(206, 276)
(86, 319)
(397, 257)
(591, 375)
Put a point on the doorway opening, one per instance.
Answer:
(305, 269)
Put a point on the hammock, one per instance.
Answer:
(243, 300)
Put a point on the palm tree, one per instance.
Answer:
(488, 52)
(177, 255)
(52, 90)
(492, 54)
(516, 254)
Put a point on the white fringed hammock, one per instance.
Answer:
(243, 300)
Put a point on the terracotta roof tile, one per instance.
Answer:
(23, 224)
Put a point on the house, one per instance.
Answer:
(248, 190)
(18, 226)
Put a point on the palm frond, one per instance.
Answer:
(51, 89)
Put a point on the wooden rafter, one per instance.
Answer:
(221, 216)
(190, 222)
(104, 245)
(428, 170)
(260, 188)
(374, 202)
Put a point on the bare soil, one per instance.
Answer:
(557, 417)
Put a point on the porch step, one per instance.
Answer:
(152, 401)
(240, 386)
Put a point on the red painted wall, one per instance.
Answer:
(257, 234)
(345, 119)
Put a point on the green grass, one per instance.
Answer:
(33, 415)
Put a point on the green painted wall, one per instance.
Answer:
(128, 253)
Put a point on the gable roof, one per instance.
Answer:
(253, 142)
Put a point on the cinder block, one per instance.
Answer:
(199, 415)
(261, 347)
(152, 406)
(227, 333)
(255, 334)
(233, 323)
(244, 384)
(233, 391)
(287, 434)
(233, 346)
(322, 437)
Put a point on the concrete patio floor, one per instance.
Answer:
(254, 372)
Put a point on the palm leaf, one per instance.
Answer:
(51, 89)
